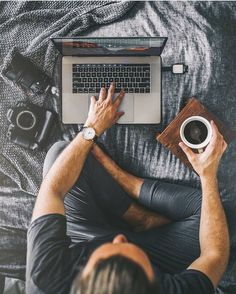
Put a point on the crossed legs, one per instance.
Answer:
(97, 199)
(166, 214)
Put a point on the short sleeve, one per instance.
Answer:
(187, 282)
(48, 255)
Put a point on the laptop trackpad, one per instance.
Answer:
(127, 105)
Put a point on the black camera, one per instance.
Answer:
(28, 75)
(30, 125)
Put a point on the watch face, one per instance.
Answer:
(88, 133)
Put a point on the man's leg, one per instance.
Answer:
(174, 246)
(85, 219)
(96, 203)
(176, 202)
(159, 210)
(116, 204)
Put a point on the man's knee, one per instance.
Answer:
(52, 155)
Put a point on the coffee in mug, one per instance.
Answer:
(196, 132)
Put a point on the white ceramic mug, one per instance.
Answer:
(200, 147)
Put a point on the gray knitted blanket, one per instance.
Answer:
(201, 34)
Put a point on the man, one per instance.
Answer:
(121, 233)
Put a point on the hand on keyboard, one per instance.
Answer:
(103, 113)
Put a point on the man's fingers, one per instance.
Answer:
(186, 150)
(225, 145)
(216, 135)
(111, 91)
(214, 125)
(93, 100)
(215, 131)
(102, 94)
(119, 114)
(119, 98)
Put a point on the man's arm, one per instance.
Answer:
(138, 216)
(214, 239)
(61, 178)
(214, 236)
(131, 184)
(103, 113)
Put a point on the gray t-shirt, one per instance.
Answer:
(53, 261)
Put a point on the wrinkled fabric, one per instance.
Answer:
(201, 34)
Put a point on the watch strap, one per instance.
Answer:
(95, 138)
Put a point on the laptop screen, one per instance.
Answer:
(110, 46)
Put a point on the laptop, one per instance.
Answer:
(134, 64)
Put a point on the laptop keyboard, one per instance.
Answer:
(133, 78)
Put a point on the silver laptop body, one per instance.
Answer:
(133, 63)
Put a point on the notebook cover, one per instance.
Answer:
(170, 137)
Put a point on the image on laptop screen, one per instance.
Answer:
(110, 46)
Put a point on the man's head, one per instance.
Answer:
(117, 267)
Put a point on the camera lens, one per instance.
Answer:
(26, 120)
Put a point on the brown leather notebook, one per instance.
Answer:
(170, 137)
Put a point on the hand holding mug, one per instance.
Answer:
(206, 163)
(196, 132)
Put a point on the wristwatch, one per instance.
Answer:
(89, 133)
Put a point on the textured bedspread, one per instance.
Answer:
(201, 34)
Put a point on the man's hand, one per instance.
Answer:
(103, 113)
(207, 163)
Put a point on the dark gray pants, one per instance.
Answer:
(95, 204)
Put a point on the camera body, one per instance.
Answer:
(28, 75)
(30, 125)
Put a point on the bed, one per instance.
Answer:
(200, 34)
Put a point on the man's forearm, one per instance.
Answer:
(139, 217)
(131, 184)
(214, 236)
(66, 169)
